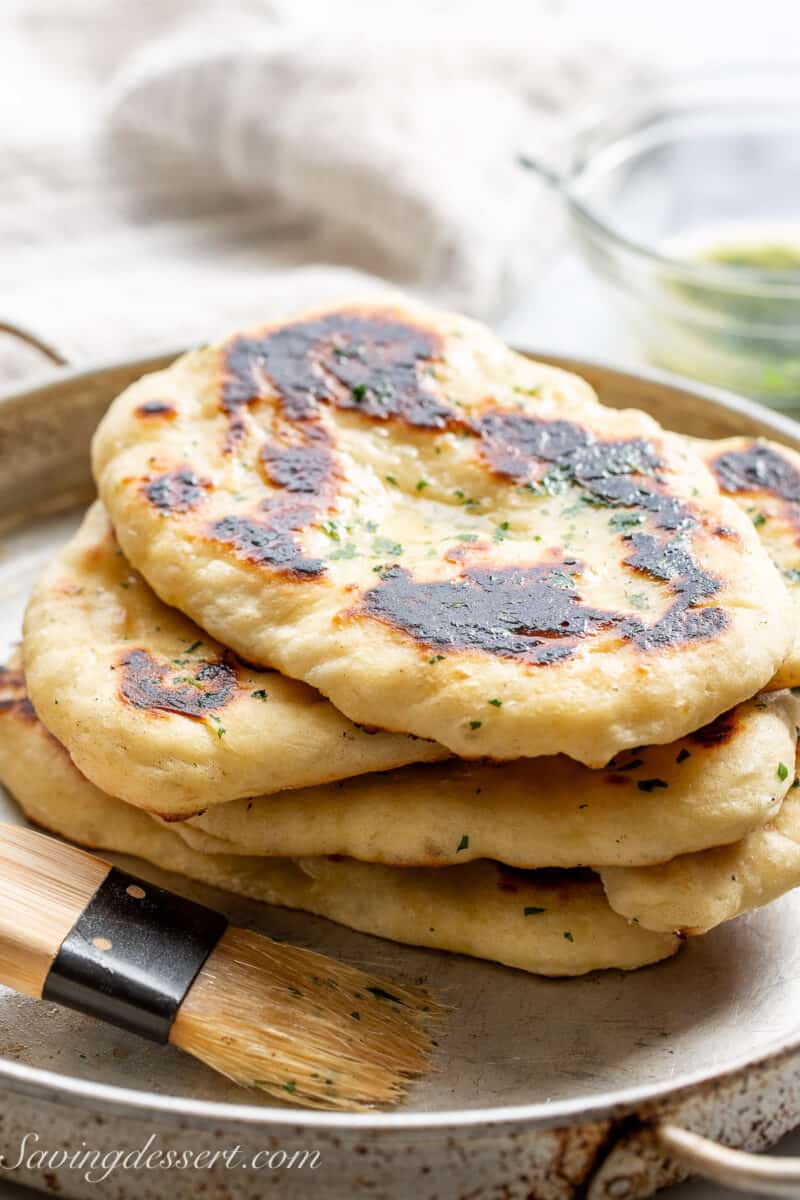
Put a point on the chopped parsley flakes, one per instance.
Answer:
(348, 550)
(638, 600)
(331, 530)
(624, 520)
(384, 545)
(783, 771)
(463, 844)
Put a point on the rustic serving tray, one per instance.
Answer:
(543, 1088)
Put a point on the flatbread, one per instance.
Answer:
(442, 536)
(709, 789)
(157, 713)
(764, 479)
(91, 617)
(696, 892)
(553, 924)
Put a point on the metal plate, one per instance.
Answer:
(517, 1049)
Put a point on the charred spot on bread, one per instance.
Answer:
(530, 613)
(757, 468)
(718, 731)
(191, 691)
(616, 473)
(535, 614)
(306, 474)
(307, 466)
(681, 624)
(152, 409)
(14, 694)
(762, 471)
(177, 491)
(371, 362)
(381, 365)
(270, 540)
(235, 433)
(685, 620)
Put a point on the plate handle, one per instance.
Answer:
(753, 1173)
(32, 339)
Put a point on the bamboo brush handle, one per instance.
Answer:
(39, 903)
(75, 930)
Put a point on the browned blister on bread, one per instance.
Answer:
(444, 537)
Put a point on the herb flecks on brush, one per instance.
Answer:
(296, 1032)
(274, 1017)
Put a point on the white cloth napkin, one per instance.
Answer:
(398, 139)
(173, 168)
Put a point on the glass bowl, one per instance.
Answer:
(686, 201)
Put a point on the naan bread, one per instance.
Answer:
(96, 636)
(157, 713)
(709, 789)
(696, 892)
(442, 536)
(764, 479)
(551, 923)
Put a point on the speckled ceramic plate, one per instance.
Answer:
(543, 1088)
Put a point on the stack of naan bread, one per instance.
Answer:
(378, 619)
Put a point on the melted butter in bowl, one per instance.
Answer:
(684, 201)
(740, 322)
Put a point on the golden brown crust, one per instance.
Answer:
(764, 480)
(478, 909)
(360, 494)
(154, 710)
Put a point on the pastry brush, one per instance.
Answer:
(296, 1024)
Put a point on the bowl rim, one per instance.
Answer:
(735, 279)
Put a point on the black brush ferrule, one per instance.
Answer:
(133, 954)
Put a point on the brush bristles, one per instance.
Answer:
(290, 1022)
(304, 1027)
(44, 887)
